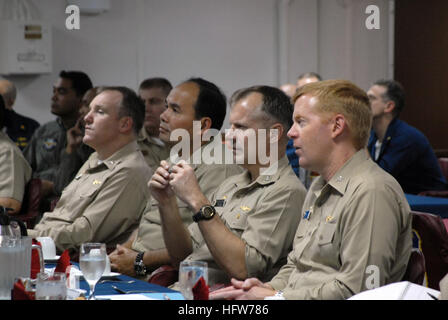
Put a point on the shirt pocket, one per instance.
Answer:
(91, 191)
(326, 234)
(237, 221)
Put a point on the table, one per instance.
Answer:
(438, 206)
(138, 286)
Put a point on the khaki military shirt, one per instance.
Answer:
(153, 149)
(104, 203)
(209, 176)
(15, 171)
(354, 234)
(263, 213)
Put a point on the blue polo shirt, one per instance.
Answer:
(408, 156)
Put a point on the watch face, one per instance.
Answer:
(208, 212)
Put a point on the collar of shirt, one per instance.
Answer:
(242, 181)
(144, 136)
(114, 159)
(341, 178)
(59, 122)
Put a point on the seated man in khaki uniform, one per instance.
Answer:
(194, 99)
(153, 92)
(105, 201)
(355, 228)
(246, 228)
(15, 172)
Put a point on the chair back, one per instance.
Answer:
(416, 270)
(164, 276)
(431, 238)
(29, 212)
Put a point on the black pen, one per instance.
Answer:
(432, 296)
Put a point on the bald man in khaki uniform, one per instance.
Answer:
(355, 227)
(105, 201)
(263, 213)
(252, 216)
(15, 172)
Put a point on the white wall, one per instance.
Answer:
(233, 43)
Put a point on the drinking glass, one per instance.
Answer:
(92, 261)
(189, 274)
(51, 287)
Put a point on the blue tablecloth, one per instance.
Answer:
(438, 206)
(106, 288)
(138, 286)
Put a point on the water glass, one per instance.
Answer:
(51, 287)
(189, 274)
(92, 260)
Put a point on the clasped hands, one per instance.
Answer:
(249, 289)
(176, 180)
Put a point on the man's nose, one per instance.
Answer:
(164, 116)
(292, 132)
(88, 117)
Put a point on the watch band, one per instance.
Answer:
(207, 212)
(139, 265)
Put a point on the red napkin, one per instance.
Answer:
(63, 262)
(200, 290)
(19, 293)
(35, 265)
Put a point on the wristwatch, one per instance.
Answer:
(205, 213)
(139, 266)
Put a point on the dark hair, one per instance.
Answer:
(162, 83)
(276, 104)
(310, 75)
(80, 81)
(394, 92)
(131, 106)
(2, 112)
(211, 102)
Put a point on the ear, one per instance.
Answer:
(275, 133)
(390, 107)
(206, 123)
(125, 124)
(338, 124)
